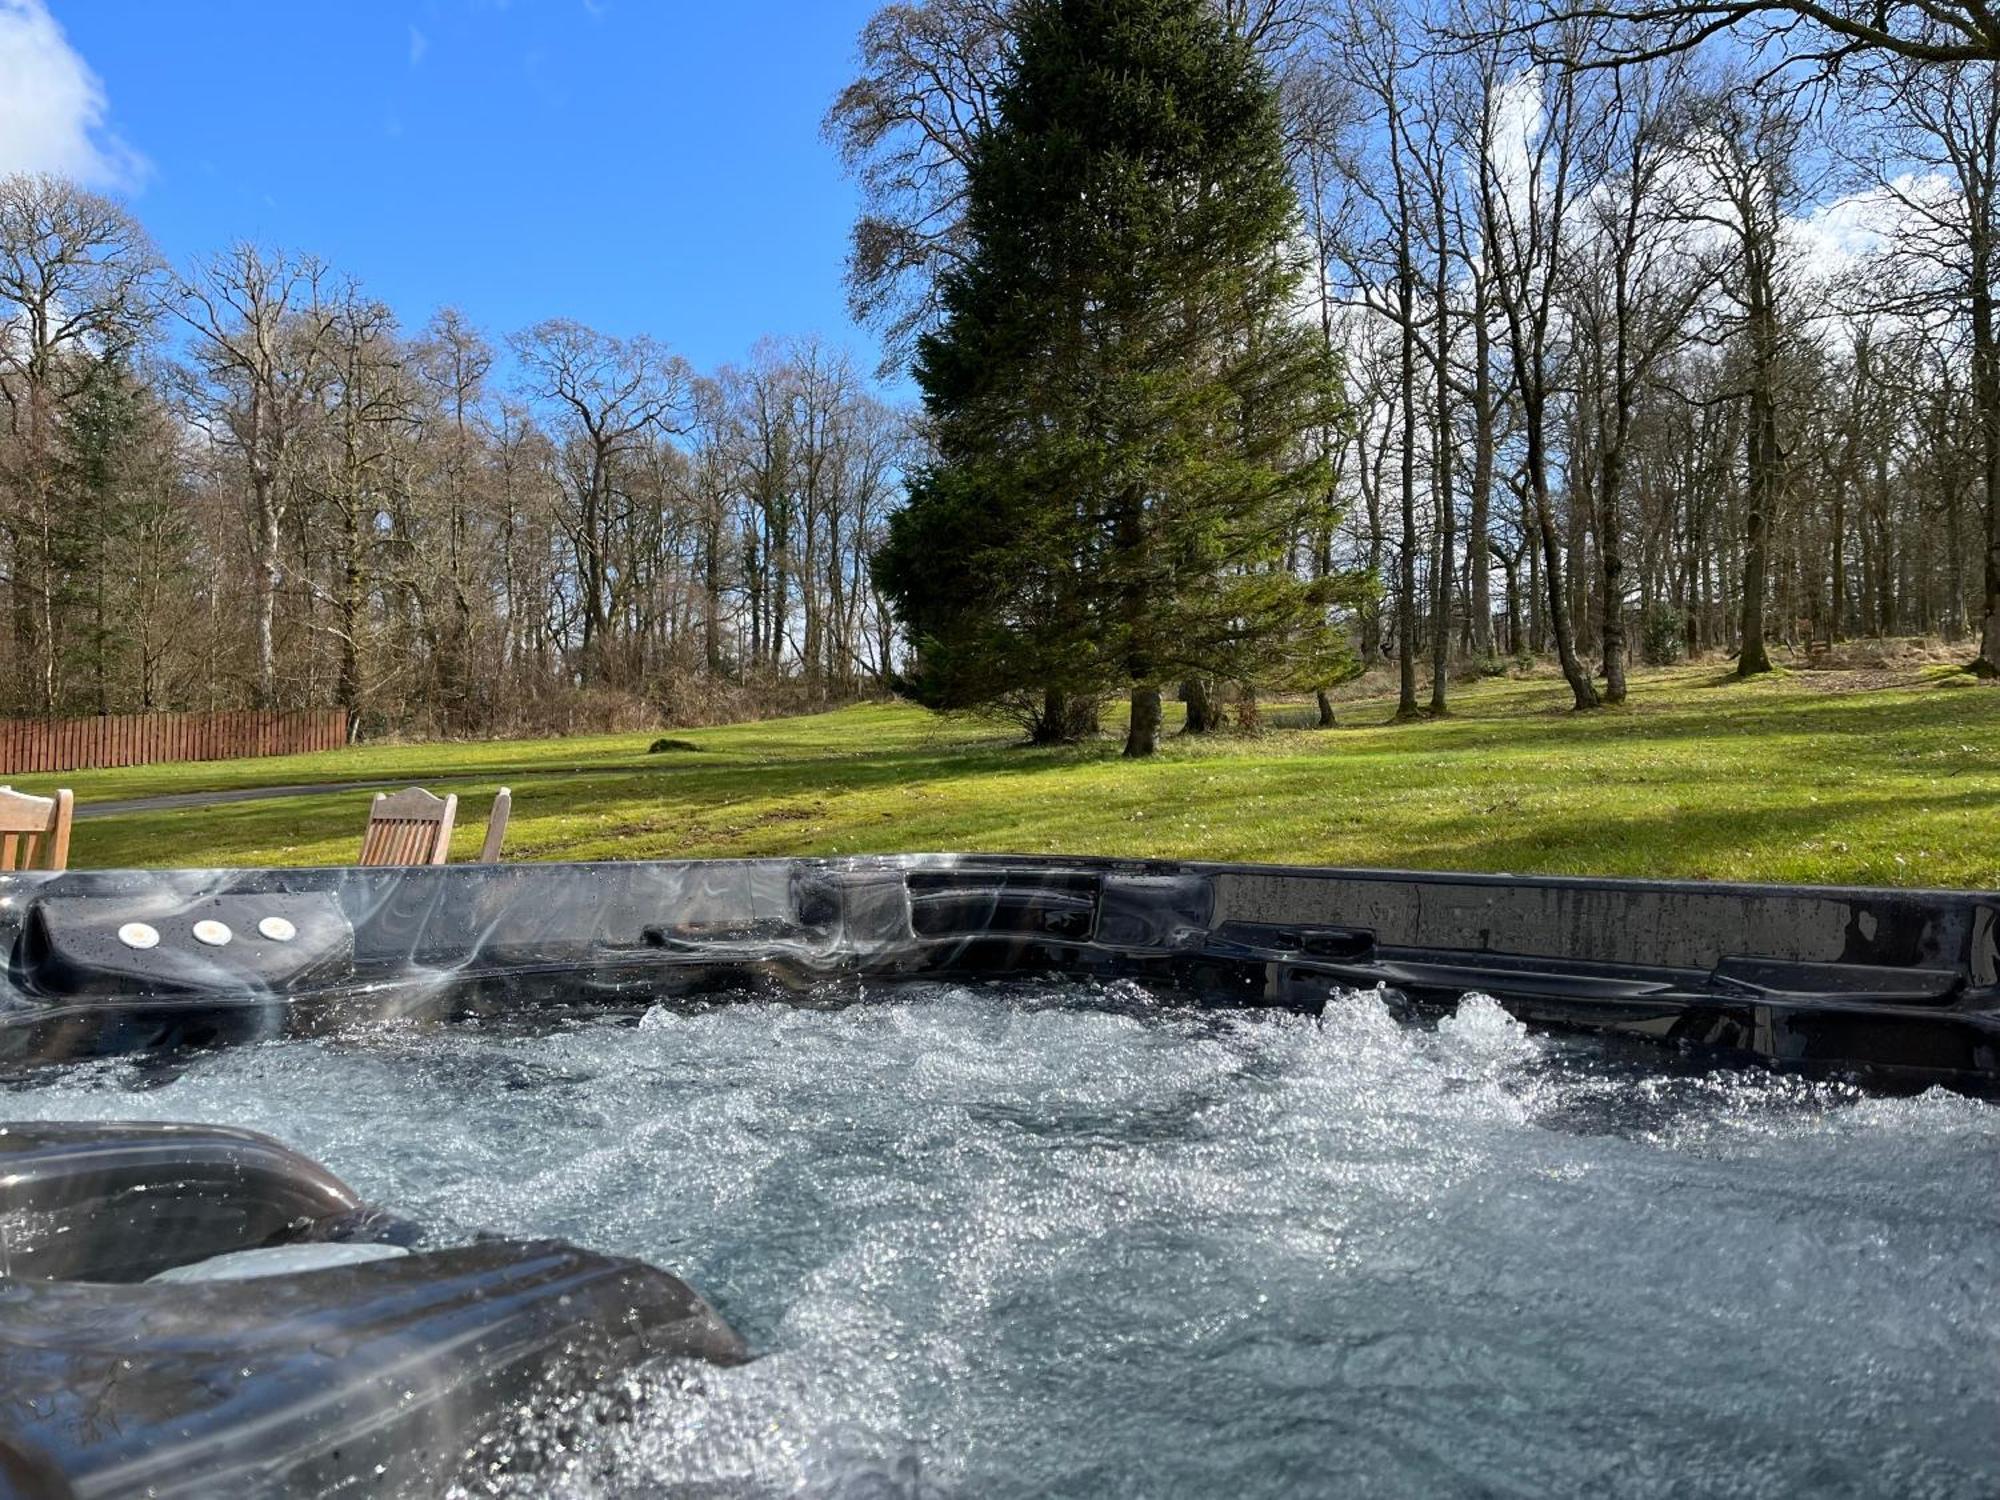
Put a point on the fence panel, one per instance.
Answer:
(28, 746)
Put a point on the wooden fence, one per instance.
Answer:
(28, 745)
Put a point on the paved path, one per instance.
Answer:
(176, 800)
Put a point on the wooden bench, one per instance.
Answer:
(410, 827)
(496, 826)
(413, 827)
(33, 828)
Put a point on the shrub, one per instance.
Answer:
(1662, 636)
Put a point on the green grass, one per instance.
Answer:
(1700, 776)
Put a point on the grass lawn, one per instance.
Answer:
(1888, 778)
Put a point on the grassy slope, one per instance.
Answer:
(1700, 776)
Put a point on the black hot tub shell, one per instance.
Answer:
(112, 1384)
(1900, 986)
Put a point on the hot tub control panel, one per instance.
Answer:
(221, 944)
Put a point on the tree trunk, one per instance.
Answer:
(1478, 566)
(1752, 658)
(1143, 738)
(23, 613)
(711, 603)
(1529, 533)
(1249, 715)
(1326, 719)
(1447, 518)
(1444, 571)
(1064, 719)
(1582, 689)
(1837, 621)
(353, 601)
(591, 584)
(1048, 728)
(1986, 395)
(269, 577)
(1406, 570)
(1204, 715)
(1517, 639)
(1987, 663)
(1611, 556)
(1582, 520)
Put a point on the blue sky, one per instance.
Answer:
(641, 165)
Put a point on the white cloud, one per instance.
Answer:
(52, 106)
(1516, 124)
(419, 45)
(1840, 236)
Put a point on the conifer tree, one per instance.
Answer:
(1125, 404)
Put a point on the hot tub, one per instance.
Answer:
(1009, 1176)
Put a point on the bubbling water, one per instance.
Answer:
(1061, 1239)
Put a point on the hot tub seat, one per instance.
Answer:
(122, 1202)
(290, 1383)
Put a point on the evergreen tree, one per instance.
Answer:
(1124, 403)
(99, 439)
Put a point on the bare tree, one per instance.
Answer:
(1750, 150)
(1528, 192)
(608, 397)
(1823, 34)
(1936, 156)
(1636, 281)
(905, 129)
(262, 323)
(1382, 226)
(347, 470)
